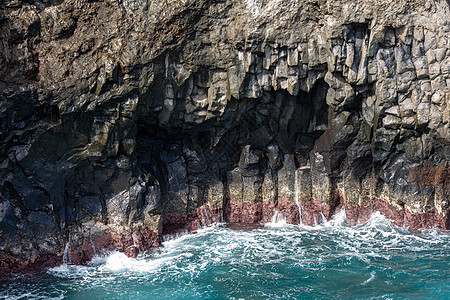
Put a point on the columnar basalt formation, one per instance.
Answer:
(124, 121)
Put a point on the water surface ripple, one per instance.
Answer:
(375, 260)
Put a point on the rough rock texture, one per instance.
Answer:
(123, 121)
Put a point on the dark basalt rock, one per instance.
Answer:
(123, 122)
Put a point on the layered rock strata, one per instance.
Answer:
(126, 121)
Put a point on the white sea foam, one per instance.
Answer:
(117, 262)
(372, 277)
(261, 261)
(308, 247)
(296, 196)
(339, 219)
(66, 255)
(69, 271)
(278, 220)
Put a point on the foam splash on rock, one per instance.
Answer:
(278, 220)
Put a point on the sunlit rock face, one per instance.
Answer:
(125, 120)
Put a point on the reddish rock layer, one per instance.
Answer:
(130, 245)
(81, 253)
(10, 264)
(314, 211)
(401, 217)
(261, 212)
(237, 213)
(174, 223)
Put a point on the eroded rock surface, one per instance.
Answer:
(122, 121)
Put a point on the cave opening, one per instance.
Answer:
(192, 162)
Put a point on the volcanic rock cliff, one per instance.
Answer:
(123, 121)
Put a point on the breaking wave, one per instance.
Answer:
(374, 260)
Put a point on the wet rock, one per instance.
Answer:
(178, 190)
(286, 178)
(249, 161)
(275, 156)
(156, 119)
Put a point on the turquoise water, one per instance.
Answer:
(376, 260)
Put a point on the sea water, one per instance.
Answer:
(375, 260)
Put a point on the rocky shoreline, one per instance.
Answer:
(124, 121)
(247, 214)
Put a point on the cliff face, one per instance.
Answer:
(125, 120)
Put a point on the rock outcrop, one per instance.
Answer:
(124, 121)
